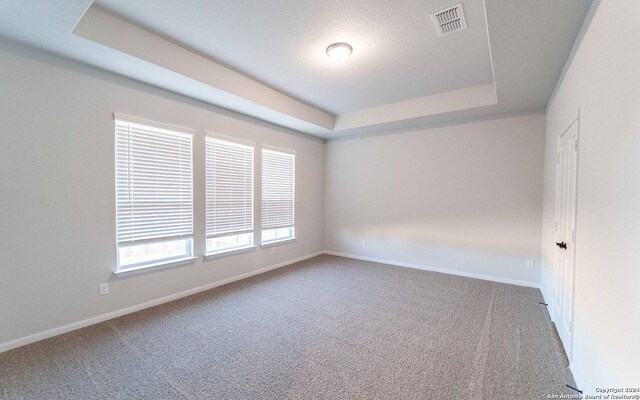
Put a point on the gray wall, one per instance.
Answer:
(464, 198)
(57, 201)
(603, 81)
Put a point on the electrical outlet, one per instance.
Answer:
(364, 243)
(104, 289)
(529, 263)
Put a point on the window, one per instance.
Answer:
(278, 196)
(229, 178)
(154, 193)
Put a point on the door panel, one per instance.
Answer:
(565, 232)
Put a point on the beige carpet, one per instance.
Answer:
(325, 328)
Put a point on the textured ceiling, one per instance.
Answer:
(401, 75)
(397, 54)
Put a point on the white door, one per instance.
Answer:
(565, 234)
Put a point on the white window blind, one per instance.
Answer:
(229, 185)
(154, 183)
(278, 189)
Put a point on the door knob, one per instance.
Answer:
(562, 245)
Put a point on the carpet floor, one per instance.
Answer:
(325, 328)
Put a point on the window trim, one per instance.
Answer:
(279, 242)
(293, 237)
(158, 263)
(235, 250)
(152, 123)
(230, 252)
(230, 249)
(156, 266)
(278, 149)
(292, 230)
(190, 258)
(215, 135)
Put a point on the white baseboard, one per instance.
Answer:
(441, 270)
(36, 337)
(576, 378)
(12, 344)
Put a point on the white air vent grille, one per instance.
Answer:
(449, 20)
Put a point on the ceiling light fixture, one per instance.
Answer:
(339, 51)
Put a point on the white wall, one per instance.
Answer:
(57, 239)
(603, 80)
(466, 198)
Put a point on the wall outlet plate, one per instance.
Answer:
(364, 243)
(529, 263)
(104, 289)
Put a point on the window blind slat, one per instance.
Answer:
(154, 183)
(278, 189)
(229, 188)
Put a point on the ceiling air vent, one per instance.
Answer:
(449, 20)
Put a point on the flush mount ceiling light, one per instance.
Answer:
(339, 51)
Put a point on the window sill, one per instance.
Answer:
(278, 242)
(232, 252)
(154, 267)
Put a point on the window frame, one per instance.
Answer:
(187, 239)
(252, 233)
(292, 228)
(188, 256)
(291, 237)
